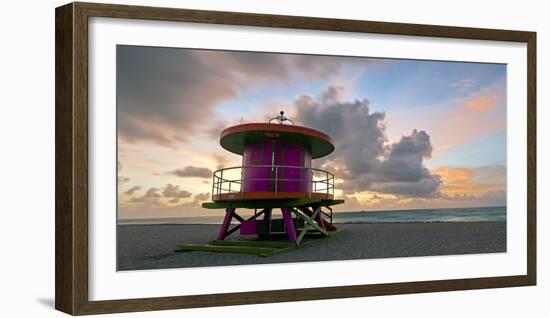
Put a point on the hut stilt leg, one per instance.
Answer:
(319, 220)
(229, 212)
(267, 220)
(289, 225)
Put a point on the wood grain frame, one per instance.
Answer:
(71, 154)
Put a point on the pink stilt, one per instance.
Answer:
(289, 225)
(229, 212)
(319, 220)
(326, 224)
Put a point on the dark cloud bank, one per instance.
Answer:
(152, 197)
(193, 172)
(363, 157)
(165, 94)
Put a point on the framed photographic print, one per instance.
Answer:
(211, 158)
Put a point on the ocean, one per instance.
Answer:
(396, 216)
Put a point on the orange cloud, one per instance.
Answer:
(457, 121)
(475, 115)
(461, 187)
(462, 181)
(482, 102)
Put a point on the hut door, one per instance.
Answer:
(257, 167)
(290, 157)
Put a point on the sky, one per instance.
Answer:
(409, 134)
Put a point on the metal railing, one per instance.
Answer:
(272, 178)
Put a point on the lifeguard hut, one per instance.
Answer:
(276, 174)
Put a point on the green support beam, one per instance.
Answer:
(302, 234)
(328, 203)
(302, 244)
(253, 243)
(253, 204)
(260, 248)
(310, 221)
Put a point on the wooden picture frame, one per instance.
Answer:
(71, 221)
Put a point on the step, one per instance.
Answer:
(224, 249)
(251, 243)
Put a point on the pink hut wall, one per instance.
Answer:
(286, 154)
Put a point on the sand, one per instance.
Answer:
(152, 246)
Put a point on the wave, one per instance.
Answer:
(477, 214)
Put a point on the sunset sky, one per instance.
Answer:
(409, 134)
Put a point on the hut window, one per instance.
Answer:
(257, 152)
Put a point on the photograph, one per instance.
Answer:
(229, 158)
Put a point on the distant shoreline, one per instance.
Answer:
(363, 217)
(422, 209)
(406, 222)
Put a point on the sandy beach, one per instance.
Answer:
(152, 246)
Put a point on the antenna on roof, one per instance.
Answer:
(281, 118)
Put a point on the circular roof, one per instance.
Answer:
(234, 138)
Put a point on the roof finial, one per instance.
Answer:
(281, 118)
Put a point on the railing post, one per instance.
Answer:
(242, 172)
(221, 183)
(308, 183)
(333, 186)
(276, 180)
(313, 182)
(310, 180)
(213, 184)
(327, 183)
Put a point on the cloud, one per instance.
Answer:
(121, 179)
(151, 198)
(174, 192)
(477, 114)
(165, 95)
(489, 198)
(460, 187)
(496, 197)
(482, 112)
(155, 197)
(160, 95)
(363, 158)
(405, 159)
(192, 171)
(482, 101)
(221, 161)
(472, 182)
(132, 190)
(495, 174)
(198, 199)
(202, 196)
(425, 187)
(153, 204)
(464, 85)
